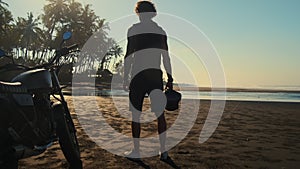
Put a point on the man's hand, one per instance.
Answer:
(169, 85)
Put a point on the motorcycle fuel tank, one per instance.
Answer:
(35, 79)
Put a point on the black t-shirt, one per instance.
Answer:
(146, 44)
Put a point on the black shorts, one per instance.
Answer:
(144, 83)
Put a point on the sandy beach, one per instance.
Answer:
(249, 135)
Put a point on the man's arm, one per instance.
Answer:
(167, 62)
(128, 62)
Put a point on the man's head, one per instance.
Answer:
(145, 9)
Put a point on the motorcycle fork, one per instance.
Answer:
(58, 89)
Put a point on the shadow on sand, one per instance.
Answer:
(168, 161)
(139, 162)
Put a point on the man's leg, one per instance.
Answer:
(136, 98)
(136, 130)
(162, 127)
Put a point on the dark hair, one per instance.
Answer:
(145, 6)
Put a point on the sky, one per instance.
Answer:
(258, 41)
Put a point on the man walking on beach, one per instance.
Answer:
(147, 44)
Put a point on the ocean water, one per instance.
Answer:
(216, 95)
(244, 96)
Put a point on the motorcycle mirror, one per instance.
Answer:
(2, 53)
(67, 35)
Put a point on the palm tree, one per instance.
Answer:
(117, 52)
(75, 10)
(55, 13)
(5, 16)
(91, 20)
(31, 34)
(85, 22)
(113, 54)
(6, 28)
(3, 3)
(84, 26)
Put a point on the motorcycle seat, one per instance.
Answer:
(15, 87)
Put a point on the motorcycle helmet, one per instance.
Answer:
(173, 99)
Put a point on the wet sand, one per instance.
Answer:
(249, 135)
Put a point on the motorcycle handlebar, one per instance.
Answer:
(62, 52)
(72, 47)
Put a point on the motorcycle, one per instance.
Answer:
(34, 113)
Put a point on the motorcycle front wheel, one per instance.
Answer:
(67, 136)
(8, 159)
